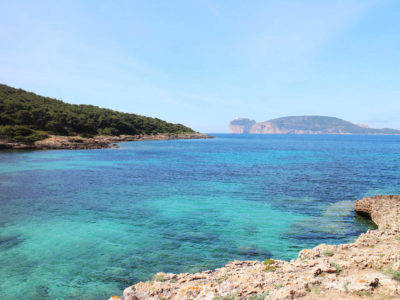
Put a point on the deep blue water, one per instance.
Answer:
(86, 224)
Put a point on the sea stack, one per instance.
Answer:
(241, 125)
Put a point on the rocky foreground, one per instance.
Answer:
(98, 142)
(369, 267)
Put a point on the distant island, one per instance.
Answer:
(30, 121)
(304, 125)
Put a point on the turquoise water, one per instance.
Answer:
(87, 224)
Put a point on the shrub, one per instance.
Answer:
(337, 267)
(317, 290)
(230, 297)
(158, 277)
(269, 261)
(328, 253)
(396, 275)
(278, 286)
(87, 135)
(107, 131)
(19, 133)
(346, 286)
(222, 279)
(259, 296)
(270, 269)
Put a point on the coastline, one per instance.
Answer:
(314, 133)
(369, 267)
(97, 142)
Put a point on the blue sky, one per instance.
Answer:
(203, 63)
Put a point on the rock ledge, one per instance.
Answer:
(97, 142)
(369, 267)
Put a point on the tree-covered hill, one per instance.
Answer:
(27, 117)
(317, 123)
(326, 124)
(304, 125)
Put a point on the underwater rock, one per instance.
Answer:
(252, 252)
(7, 242)
(366, 267)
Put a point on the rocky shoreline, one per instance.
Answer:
(98, 142)
(368, 268)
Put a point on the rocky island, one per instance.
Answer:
(368, 268)
(30, 121)
(304, 125)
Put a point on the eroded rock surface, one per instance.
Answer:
(98, 142)
(369, 267)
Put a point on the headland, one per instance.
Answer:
(97, 142)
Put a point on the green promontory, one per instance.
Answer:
(27, 117)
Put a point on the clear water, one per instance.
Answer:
(86, 224)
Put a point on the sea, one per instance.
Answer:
(85, 224)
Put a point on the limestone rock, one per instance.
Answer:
(98, 142)
(360, 269)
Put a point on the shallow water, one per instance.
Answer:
(86, 224)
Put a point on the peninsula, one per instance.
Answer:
(30, 121)
(304, 125)
(368, 268)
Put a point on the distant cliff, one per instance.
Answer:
(241, 125)
(304, 125)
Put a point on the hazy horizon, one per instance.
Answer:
(204, 63)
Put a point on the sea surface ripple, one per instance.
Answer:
(85, 224)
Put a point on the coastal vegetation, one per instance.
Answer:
(395, 274)
(328, 253)
(19, 133)
(268, 263)
(338, 268)
(159, 278)
(27, 117)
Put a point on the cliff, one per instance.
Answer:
(304, 125)
(241, 125)
(369, 267)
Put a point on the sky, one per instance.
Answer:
(203, 63)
